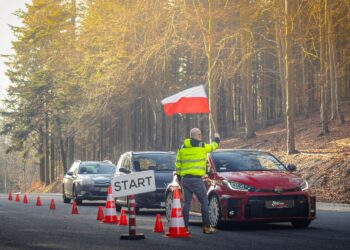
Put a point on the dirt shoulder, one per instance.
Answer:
(322, 160)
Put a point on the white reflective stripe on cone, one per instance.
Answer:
(177, 222)
(110, 212)
(176, 203)
(132, 216)
(132, 227)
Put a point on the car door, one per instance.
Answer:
(69, 179)
(195, 204)
(124, 162)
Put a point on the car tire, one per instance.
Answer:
(65, 199)
(118, 208)
(168, 203)
(75, 198)
(214, 211)
(301, 224)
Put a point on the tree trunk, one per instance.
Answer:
(62, 151)
(323, 69)
(246, 76)
(290, 101)
(52, 158)
(280, 47)
(41, 155)
(335, 109)
(47, 150)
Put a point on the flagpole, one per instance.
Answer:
(212, 122)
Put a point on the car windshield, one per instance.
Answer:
(157, 162)
(228, 161)
(96, 168)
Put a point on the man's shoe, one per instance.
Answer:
(209, 230)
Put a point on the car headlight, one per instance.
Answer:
(87, 181)
(237, 186)
(304, 185)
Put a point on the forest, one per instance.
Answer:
(88, 75)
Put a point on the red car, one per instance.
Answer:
(252, 186)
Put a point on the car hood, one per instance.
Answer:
(162, 179)
(98, 178)
(264, 179)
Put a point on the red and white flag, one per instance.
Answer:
(189, 101)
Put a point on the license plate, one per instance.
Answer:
(103, 189)
(279, 204)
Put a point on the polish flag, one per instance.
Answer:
(189, 101)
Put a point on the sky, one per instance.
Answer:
(7, 8)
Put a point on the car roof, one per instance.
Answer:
(97, 162)
(239, 150)
(151, 152)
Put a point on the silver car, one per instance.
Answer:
(87, 180)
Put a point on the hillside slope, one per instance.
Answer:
(322, 160)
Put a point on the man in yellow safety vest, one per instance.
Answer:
(190, 167)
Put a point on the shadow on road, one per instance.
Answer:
(254, 226)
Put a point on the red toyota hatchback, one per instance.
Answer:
(252, 186)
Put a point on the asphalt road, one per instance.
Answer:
(25, 226)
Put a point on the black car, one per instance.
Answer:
(87, 180)
(163, 164)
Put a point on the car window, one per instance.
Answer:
(245, 161)
(96, 168)
(153, 161)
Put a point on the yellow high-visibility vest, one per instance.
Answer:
(192, 160)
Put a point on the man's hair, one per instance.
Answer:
(194, 132)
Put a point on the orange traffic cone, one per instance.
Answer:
(38, 201)
(177, 227)
(25, 199)
(52, 204)
(111, 214)
(17, 198)
(10, 196)
(123, 221)
(74, 208)
(100, 215)
(158, 227)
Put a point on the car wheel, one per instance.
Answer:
(118, 208)
(301, 224)
(168, 203)
(214, 211)
(65, 199)
(75, 197)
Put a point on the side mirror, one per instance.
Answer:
(291, 167)
(70, 173)
(124, 170)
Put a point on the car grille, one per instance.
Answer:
(256, 207)
(102, 182)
